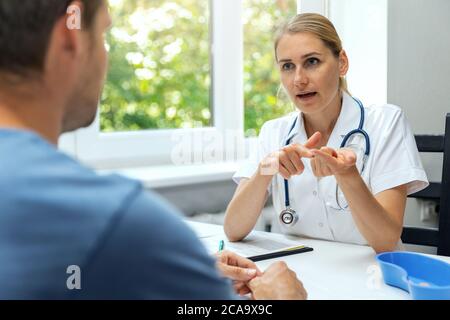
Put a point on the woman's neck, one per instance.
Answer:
(325, 121)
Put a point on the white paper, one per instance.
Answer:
(253, 245)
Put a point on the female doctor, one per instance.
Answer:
(337, 170)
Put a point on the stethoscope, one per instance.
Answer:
(288, 216)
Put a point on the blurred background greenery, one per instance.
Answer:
(160, 67)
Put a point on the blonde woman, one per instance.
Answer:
(336, 169)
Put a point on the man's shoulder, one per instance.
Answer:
(152, 254)
(120, 235)
(55, 212)
(35, 171)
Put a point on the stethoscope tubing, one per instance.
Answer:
(359, 130)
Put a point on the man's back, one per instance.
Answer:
(128, 244)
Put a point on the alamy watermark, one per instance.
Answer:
(210, 146)
(74, 280)
(375, 277)
(74, 17)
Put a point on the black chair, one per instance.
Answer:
(439, 192)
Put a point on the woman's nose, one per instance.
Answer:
(300, 78)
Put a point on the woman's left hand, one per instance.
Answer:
(329, 162)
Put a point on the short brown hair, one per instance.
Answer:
(25, 30)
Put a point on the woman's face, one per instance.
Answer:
(310, 72)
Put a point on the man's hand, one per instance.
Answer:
(239, 269)
(277, 283)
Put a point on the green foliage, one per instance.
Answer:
(159, 76)
(261, 76)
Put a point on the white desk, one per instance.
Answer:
(332, 271)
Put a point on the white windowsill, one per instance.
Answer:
(172, 176)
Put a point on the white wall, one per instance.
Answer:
(362, 26)
(419, 73)
(419, 61)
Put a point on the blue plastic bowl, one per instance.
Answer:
(425, 278)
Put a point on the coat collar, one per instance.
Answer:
(348, 120)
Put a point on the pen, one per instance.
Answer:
(277, 254)
(221, 245)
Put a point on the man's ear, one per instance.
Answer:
(343, 63)
(66, 41)
(68, 29)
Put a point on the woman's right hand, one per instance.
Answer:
(288, 161)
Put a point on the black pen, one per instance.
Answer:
(282, 253)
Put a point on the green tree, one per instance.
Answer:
(159, 74)
(261, 75)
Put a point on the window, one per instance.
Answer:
(201, 98)
(180, 68)
(261, 76)
(232, 88)
(159, 75)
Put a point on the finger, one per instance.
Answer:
(241, 288)
(237, 273)
(330, 151)
(277, 267)
(242, 262)
(284, 173)
(348, 155)
(254, 283)
(326, 171)
(238, 286)
(221, 256)
(229, 258)
(314, 166)
(225, 256)
(325, 158)
(319, 168)
(244, 291)
(287, 164)
(295, 159)
(302, 151)
(314, 140)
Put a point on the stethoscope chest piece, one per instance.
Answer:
(288, 217)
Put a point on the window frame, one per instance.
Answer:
(154, 147)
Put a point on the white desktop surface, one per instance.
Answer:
(332, 271)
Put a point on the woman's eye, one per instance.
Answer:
(287, 66)
(312, 62)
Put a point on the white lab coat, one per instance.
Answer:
(394, 160)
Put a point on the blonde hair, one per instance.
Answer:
(319, 26)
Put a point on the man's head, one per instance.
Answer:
(41, 44)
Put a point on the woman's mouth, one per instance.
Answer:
(306, 96)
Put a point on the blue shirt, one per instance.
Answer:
(127, 242)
